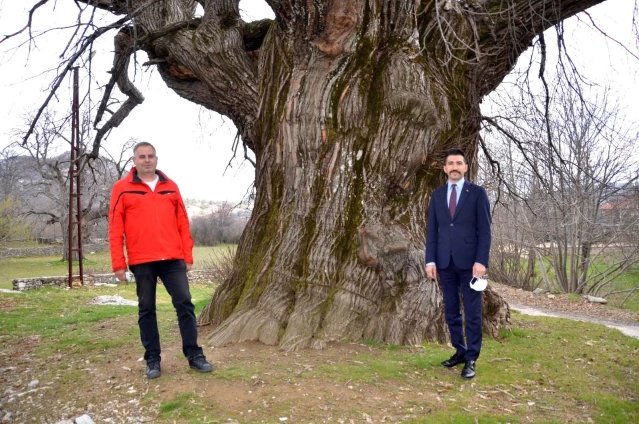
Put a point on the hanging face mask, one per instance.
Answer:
(478, 284)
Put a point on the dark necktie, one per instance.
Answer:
(452, 204)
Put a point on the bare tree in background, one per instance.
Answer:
(11, 172)
(44, 184)
(220, 227)
(347, 107)
(565, 218)
(13, 224)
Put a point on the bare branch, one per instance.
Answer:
(29, 21)
(71, 61)
(542, 76)
(514, 139)
(601, 31)
(502, 42)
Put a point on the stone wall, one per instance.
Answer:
(22, 284)
(10, 252)
(33, 283)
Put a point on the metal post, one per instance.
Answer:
(78, 169)
(74, 176)
(71, 181)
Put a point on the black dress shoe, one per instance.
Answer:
(469, 369)
(454, 360)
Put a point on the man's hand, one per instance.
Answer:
(431, 272)
(188, 267)
(120, 274)
(479, 270)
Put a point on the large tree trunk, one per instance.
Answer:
(350, 136)
(348, 107)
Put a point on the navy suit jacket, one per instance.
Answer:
(466, 236)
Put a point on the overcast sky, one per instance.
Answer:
(194, 145)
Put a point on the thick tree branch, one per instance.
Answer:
(210, 64)
(117, 7)
(254, 33)
(124, 47)
(191, 23)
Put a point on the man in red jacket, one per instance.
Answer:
(148, 213)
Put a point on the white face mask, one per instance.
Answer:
(478, 284)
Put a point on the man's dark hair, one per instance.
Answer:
(142, 144)
(456, 152)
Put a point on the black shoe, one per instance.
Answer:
(199, 363)
(153, 368)
(469, 369)
(453, 360)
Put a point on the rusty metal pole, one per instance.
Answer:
(71, 181)
(78, 169)
(74, 176)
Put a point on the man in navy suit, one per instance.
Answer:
(457, 247)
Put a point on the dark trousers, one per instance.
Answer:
(456, 281)
(173, 275)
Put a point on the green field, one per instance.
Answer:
(95, 263)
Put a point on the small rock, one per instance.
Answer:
(551, 296)
(33, 384)
(593, 299)
(112, 300)
(538, 290)
(11, 291)
(84, 419)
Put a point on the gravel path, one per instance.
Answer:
(561, 306)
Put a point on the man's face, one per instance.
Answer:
(455, 167)
(145, 160)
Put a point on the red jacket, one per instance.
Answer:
(154, 224)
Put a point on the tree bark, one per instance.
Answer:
(348, 107)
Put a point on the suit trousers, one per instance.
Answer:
(173, 275)
(456, 282)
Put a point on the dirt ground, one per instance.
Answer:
(252, 382)
(115, 390)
